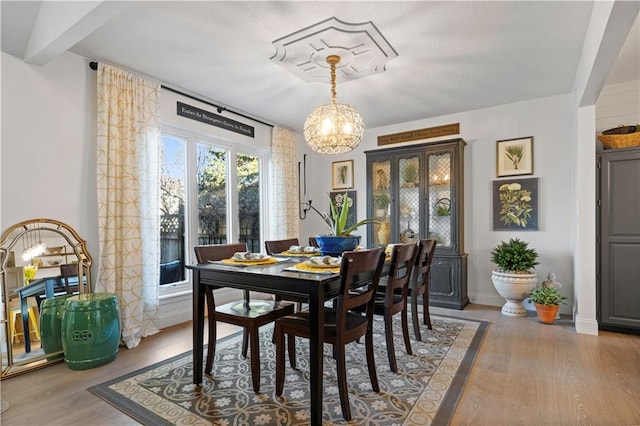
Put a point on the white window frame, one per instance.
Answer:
(185, 288)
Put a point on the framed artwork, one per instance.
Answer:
(515, 204)
(342, 174)
(514, 157)
(338, 198)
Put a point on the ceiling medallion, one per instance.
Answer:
(362, 48)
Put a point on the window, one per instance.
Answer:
(196, 168)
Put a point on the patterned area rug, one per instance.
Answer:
(425, 390)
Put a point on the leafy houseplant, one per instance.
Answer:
(513, 277)
(547, 299)
(547, 296)
(334, 243)
(381, 203)
(514, 256)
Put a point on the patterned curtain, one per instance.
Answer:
(128, 192)
(284, 220)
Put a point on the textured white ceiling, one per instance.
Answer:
(452, 56)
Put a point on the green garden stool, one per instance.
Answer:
(90, 330)
(51, 311)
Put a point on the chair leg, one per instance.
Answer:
(291, 345)
(414, 314)
(341, 368)
(371, 363)
(211, 348)
(391, 352)
(245, 334)
(279, 336)
(405, 329)
(255, 358)
(245, 342)
(425, 307)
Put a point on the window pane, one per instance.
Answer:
(172, 196)
(440, 198)
(249, 201)
(212, 194)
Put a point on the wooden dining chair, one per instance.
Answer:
(67, 271)
(391, 298)
(278, 246)
(359, 270)
(246, 313)
(420, 285)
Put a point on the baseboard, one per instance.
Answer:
(586, 326)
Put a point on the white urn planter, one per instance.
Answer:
(514, 288)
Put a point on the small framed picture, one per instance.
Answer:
(342, 174)
(514, 157)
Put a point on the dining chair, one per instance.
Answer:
(246, 313)
(278, 246)
(313, 242)
(392, 294)
(358, 270)
(67, 271)
(420, 285)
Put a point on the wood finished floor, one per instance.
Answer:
(526, 373)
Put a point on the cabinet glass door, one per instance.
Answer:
(409, 199)
(439, 222)
(381, 184)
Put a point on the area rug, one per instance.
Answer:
(425, 390)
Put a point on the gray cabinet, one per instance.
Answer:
(619, 240)
(416, 192)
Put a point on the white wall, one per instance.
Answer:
(618, 104)
(549, 121)
(48, 144)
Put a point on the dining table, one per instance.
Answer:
(278, 279)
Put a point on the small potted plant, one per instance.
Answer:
(381, 203)
(514, 277)
(547, 300)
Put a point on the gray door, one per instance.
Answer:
(620, 239)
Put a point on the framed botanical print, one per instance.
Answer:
(515, 204)
(514, 157)
(342, 174)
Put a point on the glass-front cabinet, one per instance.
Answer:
(416, 192)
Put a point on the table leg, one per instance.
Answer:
(24, 311)
(316, 321)
(198, 327)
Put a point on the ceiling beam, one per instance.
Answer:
(608, 30)
(60, 25)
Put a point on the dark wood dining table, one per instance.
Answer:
(272, 279)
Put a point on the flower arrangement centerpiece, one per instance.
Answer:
(339, 238)
(29, 273)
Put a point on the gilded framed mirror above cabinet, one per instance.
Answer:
(417, 192)
(42, 261)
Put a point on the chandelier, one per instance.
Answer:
(333, 128)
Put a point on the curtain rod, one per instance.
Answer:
(220, 108)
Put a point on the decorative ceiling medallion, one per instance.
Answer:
(362, 49)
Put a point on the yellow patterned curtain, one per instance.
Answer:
(128, 186)
(284, 219)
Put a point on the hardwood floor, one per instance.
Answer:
(526, 373)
